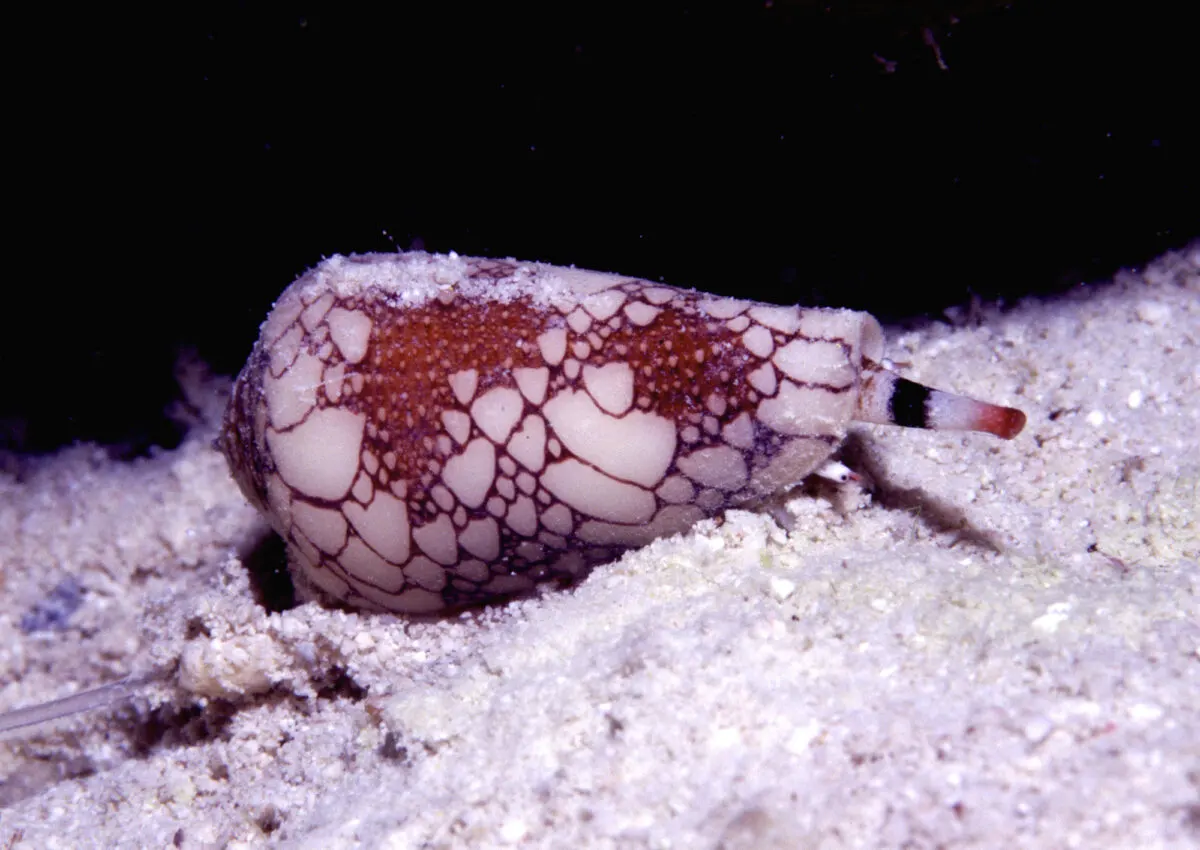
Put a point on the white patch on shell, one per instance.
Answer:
(522, 517)
(383, 524)
(458, 425)
(723, 308)
(294, 393)
(334, 377)
(463, 384)
(481, 538)
(604, 305)
(426, 573)
(351, 330)
(676, 489)
(438, 540)
(763, 379)
(784, 319)
(528, 445)
(758, 341)
(325, 527)
(579, 321)
(315, 312)
(319, 457)
(801, 410)
(740, 432)
(721, 467)
(557, 518)
(659, 295)
(553, 345)
(816, 362)
(470, 473)
(363, 565)
(604, 441)
(611, 385)
(496, 412)
(532, 383)
(595, 494)
(641, 313)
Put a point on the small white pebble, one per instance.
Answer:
(1145, 712)
(1054, 617)
(1034, 764)
(1135, 400)
(513, 830)
(781, 588)
(725, 738)
(1153, 312)
(1037, 729)
(802, 737)
(1095, 418)
(182, 790)
(290, 628)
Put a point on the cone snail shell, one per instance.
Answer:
(428, 432)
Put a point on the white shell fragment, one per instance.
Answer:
(428, 432)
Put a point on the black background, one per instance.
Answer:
(171, 171)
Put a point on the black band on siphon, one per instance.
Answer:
(908, 404)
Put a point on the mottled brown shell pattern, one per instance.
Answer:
(428, 432)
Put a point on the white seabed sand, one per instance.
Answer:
(999, 647)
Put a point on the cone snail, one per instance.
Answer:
(428, 432)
